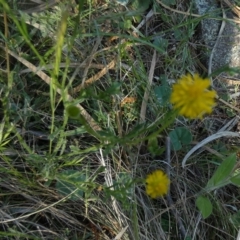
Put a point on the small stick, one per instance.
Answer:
(147, 92)
(48, 80)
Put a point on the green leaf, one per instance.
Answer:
(140, 5)
(112, 90)
(70, 180)
(180, 136)
(161, 42)
(178, 34)
(122, 189)
(235, 219)
(226, 69)
(188, 238)
(236, 179)
(221, 177)
(73, 111)
(90, 93)
(153, 146)
(136, 131)
(204, 205)
(127, 24)
(163, 92)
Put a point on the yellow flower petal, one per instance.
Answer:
(157, 184)
(191, 97)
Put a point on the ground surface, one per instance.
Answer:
(67, 174)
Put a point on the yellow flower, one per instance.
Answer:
(191, 97)
(157, 184)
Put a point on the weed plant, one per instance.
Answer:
(86, 116)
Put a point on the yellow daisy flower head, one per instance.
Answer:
(191, 97)
(157, 184)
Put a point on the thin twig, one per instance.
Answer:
(228, 104)
(147, 92)
(233, 7)
(64, 65)
(48, 80)
(87, 61)
(94, 78)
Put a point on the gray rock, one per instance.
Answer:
(227, 51)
